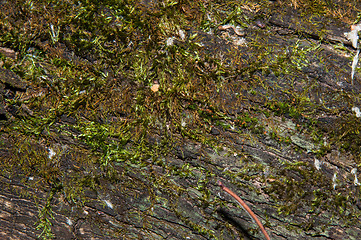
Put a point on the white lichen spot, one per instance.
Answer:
(354, 64)
(353, 35)
(317, 164)
(183, 123)
(340, 84)
(325, 143)
(240, 42)
(357, 111)
(209, 17)
(51, 153)
(334, 181)
(170, 41)
(69, 221)
(115, 224)
(354, 172)
(109, 204)
(354, 38)
(182, 34)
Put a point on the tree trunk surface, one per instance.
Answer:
(296, 190)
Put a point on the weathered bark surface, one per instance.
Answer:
(281, 182)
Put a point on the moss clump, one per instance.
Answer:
(128, 92)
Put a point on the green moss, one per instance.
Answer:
(91, 66)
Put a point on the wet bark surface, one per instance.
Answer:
(295, 193)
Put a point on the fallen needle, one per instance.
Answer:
(244, 205)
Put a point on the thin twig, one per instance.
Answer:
(244, 205)
(235, 29)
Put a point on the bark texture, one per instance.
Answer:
(296, 192)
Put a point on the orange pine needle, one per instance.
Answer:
(244, 205)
